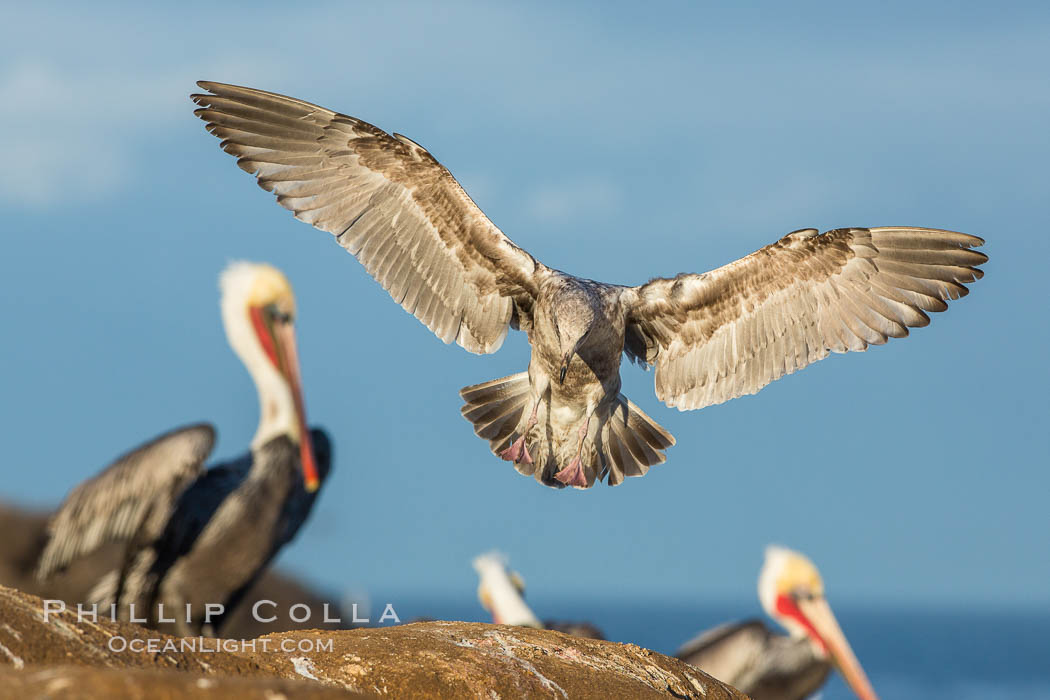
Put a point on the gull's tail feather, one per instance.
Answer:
(625, 442)
(496, 408)
(499, 410)
(632, 442)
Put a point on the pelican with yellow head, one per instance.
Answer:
(502, 593)
(770, 666)
(197, 538)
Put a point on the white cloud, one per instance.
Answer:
(49, 145)
(42, 171)
(63, 144)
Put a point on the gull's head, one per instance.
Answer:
(574, 317)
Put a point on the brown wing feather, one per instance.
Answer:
(388, 202)
(731, 331)
(130, 499)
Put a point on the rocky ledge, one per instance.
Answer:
(67, 657)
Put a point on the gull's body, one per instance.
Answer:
(194, 537)
(712, 336)
(770, 666)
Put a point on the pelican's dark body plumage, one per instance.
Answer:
(229, 524)
(196, 540)
(206, 535)
(575, 628)
(758, 661)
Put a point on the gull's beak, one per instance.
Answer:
(819, 614)
(564, 367)
(284, 334)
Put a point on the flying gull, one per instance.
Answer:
(711, 336)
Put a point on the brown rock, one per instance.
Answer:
(421, 660)
(78, 682)
(27, 640)
(463, 659)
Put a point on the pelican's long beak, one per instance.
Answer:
(284, 333)
(819, 614)
(486, 602)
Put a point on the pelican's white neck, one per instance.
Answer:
(507, 605)
(767, 580)
(239, 282)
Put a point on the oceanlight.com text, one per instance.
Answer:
(206, 645)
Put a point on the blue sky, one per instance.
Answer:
(612, 141)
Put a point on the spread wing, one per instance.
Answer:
(731, 331)
(129, 500)
(388, 202)
(728, 651)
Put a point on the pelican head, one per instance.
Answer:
(500, 592)
(792, 593)
(258, 312)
